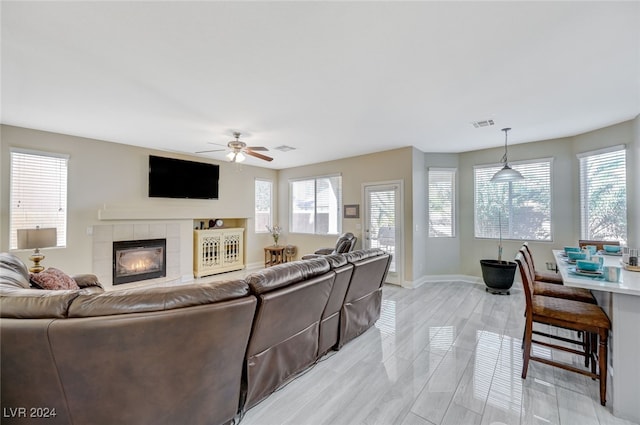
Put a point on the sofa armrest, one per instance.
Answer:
(324, 251)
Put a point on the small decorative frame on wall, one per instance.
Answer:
(352, 211)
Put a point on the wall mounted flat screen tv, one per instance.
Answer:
(177, 178)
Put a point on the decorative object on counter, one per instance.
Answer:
(588, 265)
(35, 239)
(631, 268)
(574, 256)
(275, 233)
(611, 249)
(633, 257)
(611, 273)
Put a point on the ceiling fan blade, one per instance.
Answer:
(257, 148)
(214, 150)
(258, 155)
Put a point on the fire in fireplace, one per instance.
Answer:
(139, 260)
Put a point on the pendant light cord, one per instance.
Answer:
(504, 159)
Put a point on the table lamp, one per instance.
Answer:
(35, 239)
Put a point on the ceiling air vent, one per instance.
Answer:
(284, 148)
(484, 123)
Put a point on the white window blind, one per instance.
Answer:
(603, 194)
(381, 219)
(442, 183)
(263, 205)
(315, 205)
(521, 209)
(38, 193)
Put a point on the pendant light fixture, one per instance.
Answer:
(506, 174)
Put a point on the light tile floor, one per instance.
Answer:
(441, 354)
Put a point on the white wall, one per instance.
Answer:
(112, 175)
(441, 256)
(102, 173)
(378, 167)
(565, 197)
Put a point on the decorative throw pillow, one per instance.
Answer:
(87, 280)
(53, 279)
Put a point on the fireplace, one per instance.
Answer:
(139, 260)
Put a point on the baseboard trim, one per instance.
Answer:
(441, 278)
(254, 266)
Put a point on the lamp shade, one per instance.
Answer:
(37, 238)
(506, 174)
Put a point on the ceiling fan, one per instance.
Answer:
(238, 149)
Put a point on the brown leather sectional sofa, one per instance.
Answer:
(196, 354)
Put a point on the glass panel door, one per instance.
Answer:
(382, 224)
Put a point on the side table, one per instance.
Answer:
(273, 255)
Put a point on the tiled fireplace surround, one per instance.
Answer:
(105, 235)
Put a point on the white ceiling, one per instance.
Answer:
(332, 79)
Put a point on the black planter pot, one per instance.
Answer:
(498, 275)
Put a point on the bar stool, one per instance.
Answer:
(598, 244)
(540, 276)
(565, 314)
(553, 289)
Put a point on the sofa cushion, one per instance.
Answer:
(53, 279)
(336, 260)
(156, 299)
(13, 271)
(286, 274)
(21, 303)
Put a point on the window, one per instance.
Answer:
(263, 205)
(315, 205)
(603, 194)
(518, 210)
(38, 193)
(442, 183)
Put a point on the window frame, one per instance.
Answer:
(339, 212)
(514, 165)
(454, 177)
(584, 232)
(262, 229)
(63, 198)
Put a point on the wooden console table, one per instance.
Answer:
(217, 251)
(273, 255)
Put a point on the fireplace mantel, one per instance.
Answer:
(152, 213)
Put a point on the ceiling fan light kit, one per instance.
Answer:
(235, 156)
(506, 174)
(239, 149)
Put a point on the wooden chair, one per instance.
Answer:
(540, 276)
(599, 244)
(565, 314)
(553, 289)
